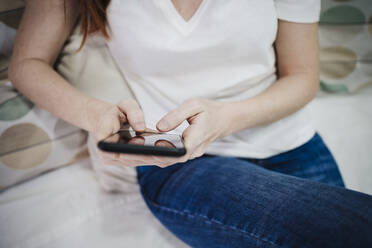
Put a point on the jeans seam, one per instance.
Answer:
(206, 219)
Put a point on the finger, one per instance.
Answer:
(109, 155)
(120, 163)
(192, 137)
(164, 161)
(145, 159)
(133, 163)
(127, 162)
(111, 158)
(164, 143)
(134, 114)
(123, 119)
(198, 152)
(174, 118)
(138, 140)
(130, 162)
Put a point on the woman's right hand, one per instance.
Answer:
(107, 119)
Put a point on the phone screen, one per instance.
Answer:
(146, 139)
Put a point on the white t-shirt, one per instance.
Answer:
(224, 52)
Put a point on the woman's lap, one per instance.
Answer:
(223, 201)
(312, 161)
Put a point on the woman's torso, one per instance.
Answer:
(224, 52)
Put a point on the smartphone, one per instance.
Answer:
(146, 143)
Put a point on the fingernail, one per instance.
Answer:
(162, 125)
(140, 125)
(138, 142)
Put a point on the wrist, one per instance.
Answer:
(239, 116)
(229, 117)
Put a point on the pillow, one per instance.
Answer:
(345, 35)
(32, 141)
(92, 69)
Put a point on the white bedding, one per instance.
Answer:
(345, 122)
(67, 208)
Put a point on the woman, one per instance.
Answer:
(234, 78)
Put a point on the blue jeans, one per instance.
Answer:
(294, 199)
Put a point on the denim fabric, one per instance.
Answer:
(313, 161)
(289, 200)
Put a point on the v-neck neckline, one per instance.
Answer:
(179, 13)
(177, 19)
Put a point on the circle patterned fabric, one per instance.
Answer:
(345, 35)
(32, 140)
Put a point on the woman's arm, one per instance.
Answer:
(298, 82)
(43, 30)
(298, 69)
(297, 57)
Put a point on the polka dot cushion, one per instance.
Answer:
(345, 35)
(32, 141)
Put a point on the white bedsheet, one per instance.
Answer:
(67, 207)
(345, 123)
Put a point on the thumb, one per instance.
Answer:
(174, 118)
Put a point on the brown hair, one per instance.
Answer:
(93, 18)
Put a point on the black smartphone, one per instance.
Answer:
(146, 143)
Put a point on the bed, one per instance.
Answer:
(67, 207)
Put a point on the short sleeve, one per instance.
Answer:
(302, 11)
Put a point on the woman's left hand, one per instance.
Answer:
(207, 119)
